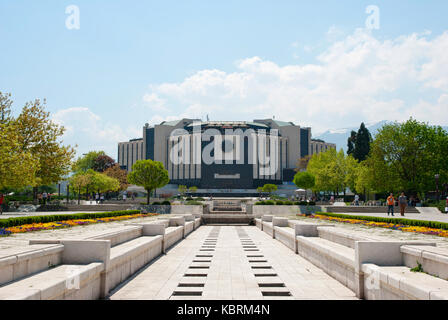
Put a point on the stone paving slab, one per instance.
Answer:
(230, 275)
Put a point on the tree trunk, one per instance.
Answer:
(148, 196)
(35, 189)
(79, 196)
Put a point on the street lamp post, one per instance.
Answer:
(437, 176)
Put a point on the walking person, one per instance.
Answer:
(44, 197)
(402, 201)
(390, 204)
(446, 205)
(356, 200)
(97, 198)
(125, 196)
(2, 198)
(102, 198)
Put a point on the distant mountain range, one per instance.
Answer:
(340, 136)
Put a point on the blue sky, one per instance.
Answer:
(312, 62)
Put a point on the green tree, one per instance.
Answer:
(269, 188)
(182, 189)
(193, 189)
(260, 190)
(406, 156)
(149, 174)
(121, 175)
(87, 161)
(351, 143)
(102, 163)
(304, 180)
(40, 136)
(362, 143)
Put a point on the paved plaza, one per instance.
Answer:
(231, 262)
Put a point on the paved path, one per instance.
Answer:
(231, 262)
(7, 215)
(430, 216)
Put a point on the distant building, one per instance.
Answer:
(243, 155)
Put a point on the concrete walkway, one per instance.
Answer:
(426, 215)
(231, 263)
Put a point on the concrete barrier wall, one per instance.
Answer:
(173, 235)
(286, 235)
(23, 264)
(196, 210)
(434, 260)
(118, 237)
(268, 228)
(283, 210)
(127, 259)
(189, 227)
(399, 283)
(97, 267)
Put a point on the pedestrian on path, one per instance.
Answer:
(125, 197)
(446, 205)
(390, 204)
(402, 201)
(2, 198)
(356, 200)
(97, 198)
(102, 198)
(44, 197)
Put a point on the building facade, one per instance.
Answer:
(223, 154)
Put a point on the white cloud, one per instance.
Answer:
(87, 130)
(358, 78)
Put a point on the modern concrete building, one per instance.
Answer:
(223, 154)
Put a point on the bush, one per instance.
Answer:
(51, 207)
(189, 199)
(279, 202)
(166, 203)
(193, 202)
(269, 203)
(288, 203)
(406, 222)
(13, 222)
(156, 203)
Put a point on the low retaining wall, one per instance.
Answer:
(283, 210)
(88, 269)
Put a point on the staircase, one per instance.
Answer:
(226, 212)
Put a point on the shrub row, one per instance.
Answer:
(406, 222)
(286, 203)
(13, 222)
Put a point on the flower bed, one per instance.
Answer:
(402, 226)
(69, 223)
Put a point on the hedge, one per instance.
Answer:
(287, 203)
(13, 222)
(406, 222)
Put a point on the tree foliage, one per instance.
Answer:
(407, 156)
(358, 144)
(149, 174)
(269, 188)
(304, 180)
(102, 163)
(31, 152)
(121, 175)
(87, 161)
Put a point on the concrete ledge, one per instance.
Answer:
(172, 236)
(197, 223)
(398, 283)
(23, 264)
(189, 227)
(267, 218)
(66, 282)
(120, 236)
(434, 260)
(129, 257)
(334, 259)
(268, 228)
(339, 236)
(176, 221)
(286, 235)
(307, 229)
(258, 223)
(279, 222)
